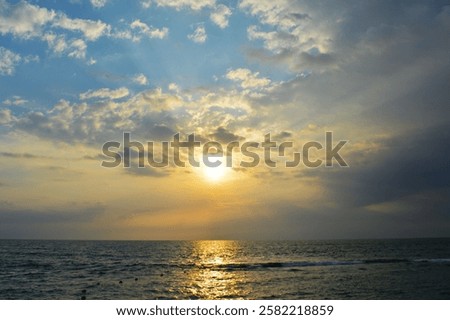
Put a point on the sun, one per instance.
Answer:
(215, 174)
(216, 170)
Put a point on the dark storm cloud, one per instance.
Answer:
(317, 58)
(426, 217)
(406, 165)
(424, 103)
(353, 28)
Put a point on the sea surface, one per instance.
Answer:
(344, 269)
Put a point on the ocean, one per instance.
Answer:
(342, 269)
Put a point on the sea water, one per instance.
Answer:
(340, 269)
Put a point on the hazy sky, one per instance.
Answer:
(76, 74)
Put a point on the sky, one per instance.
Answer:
(77, 74)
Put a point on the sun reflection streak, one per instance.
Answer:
(211, 279)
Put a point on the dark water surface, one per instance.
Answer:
(343, 269)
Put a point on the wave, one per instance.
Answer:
(301, 264)
(441, 260)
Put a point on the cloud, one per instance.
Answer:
(92, 30)
(311, 36)
(221, 15)
(14, 216)
(292, 29)
(74, 48)
(140, 79)
(8, 61)
(135, 158)
(385, 49)
(15, 101)
(173, 87)
(156, 99)
(181, 4)
(57, 43)
(23, 20)
(247, 79)
(146, 4)
(217, 111)
(105, 93)
(134, 170)
(282, 135)
(5, 116)
(31, 58)
(283, 13)
(224, 136)
(149, 31)
(405, 165)
(98, 3)
(101, 116)
(199, 35)
(26, 21)
(77, 49)
(19, 155)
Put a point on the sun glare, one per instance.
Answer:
(215, 174)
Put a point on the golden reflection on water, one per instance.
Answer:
(212, 279)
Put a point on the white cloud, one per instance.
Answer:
(105, 93)
(199, 35)
(75, 48)
(57, 43)
(156, 99)
(173, 87)
(125, 34)
(98, 3)
(15, 101)
(140, 79)
(31, 58)
(272, 39)
(155, 111)
(146, 4)
(92, 30)
(283, 13)
(26, 21)
(220, 15)
(247, 79)
(191, 4)
(91, 61)
(23, 20)
(149, 31)
(8, 61)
